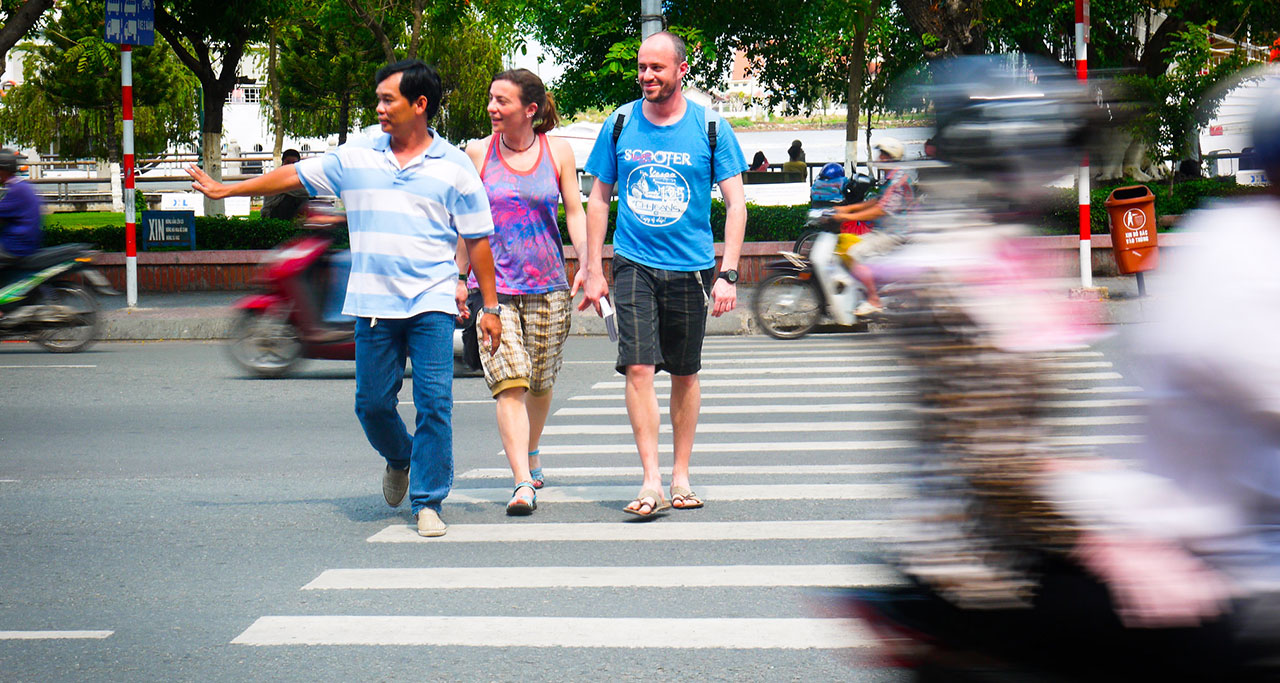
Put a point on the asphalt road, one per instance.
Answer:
(165, 518)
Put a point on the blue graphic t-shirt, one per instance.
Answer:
(664, 199)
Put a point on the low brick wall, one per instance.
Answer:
(197, 271)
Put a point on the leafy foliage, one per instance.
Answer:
(70, 97)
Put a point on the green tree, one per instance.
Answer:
(17, 19)
(210, 38)
(325, 71)
(70, 98)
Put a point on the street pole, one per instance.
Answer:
(130, 225)
(650, 17)
(1082, 74)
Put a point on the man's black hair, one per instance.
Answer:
(291, 152)
(418, 80)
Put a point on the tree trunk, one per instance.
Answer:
(857, 72)
(957, 24)
(215, 98)
(19, 24)
(277, 112)
(344, 118)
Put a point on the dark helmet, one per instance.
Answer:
(831, 170)
(9, 160)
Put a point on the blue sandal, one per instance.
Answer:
(536, 473)
(520, 505)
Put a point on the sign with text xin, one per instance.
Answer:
(168, 229)
(130, 22)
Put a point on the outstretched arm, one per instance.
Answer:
(279, 181)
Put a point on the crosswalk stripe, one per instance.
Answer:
(792, 355)
(759, 409)
(829, 379)
(710, 448)
(743, 427)
(883, 393)
(664, 531)
(605, 494)
(830, 407)
(696, 470)
(547, 632)
(811, 427)
(841, 368)
(54, 635)
(684, 576)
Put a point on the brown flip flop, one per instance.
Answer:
(689, 498)
(659, 504)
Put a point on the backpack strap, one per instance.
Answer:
(620, 121)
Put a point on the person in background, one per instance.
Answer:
(759, 163)
(795, 159)
(664, 253)
(21, 219)
(526, 175)
(286, 204)
(897, 196)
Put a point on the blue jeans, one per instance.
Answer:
(427, 341)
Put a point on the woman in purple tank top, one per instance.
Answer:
(526, 174)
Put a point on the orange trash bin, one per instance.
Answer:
(1132, 214)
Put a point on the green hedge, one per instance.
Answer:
(212, 232)
(764, 223)
(1063, 215)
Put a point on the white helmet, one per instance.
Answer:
(891, 146)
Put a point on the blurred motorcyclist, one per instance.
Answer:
(897, 196)
(20, 214)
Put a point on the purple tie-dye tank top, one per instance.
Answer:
(528, 255)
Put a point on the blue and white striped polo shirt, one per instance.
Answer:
(404, 222)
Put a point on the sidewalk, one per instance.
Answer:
(208, 315)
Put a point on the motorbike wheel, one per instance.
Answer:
(73, 338)
(804, 243)
(264, 345)
(787, 307)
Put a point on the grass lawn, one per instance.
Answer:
(93, 219)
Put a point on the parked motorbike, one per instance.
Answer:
(802, 290)
(295, 313)
(51, 302)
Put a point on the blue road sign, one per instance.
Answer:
(131, 22)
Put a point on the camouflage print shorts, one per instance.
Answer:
(534, 327)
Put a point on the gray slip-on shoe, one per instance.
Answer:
(395, 483)
(430, 524)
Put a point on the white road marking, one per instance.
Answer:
(697, 470)
(835, 375)
(684, 576)
(467, 401)
(766, 394)
(622, 494)
(1093, 420)
(546, 632)
(40, 367)
(751, 447)
(54, 635)
(791, 355)
(743, 427)
(757, 409)
(1097, 403)
(835, 367)
(8, 481)
(884, 393)
(664, 530)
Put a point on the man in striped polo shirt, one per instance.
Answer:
(410, 196)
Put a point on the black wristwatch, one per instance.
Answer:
(730, 276)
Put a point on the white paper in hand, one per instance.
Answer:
(606, 312)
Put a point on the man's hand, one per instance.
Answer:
(724, 297)
(490, 328)
(460, 295)
(593, 290)
(206, 185)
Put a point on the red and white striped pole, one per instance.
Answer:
(130, 226)
(1082, 73)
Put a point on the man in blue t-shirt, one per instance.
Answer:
(663, 252)
(20, 215)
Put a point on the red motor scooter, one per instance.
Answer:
(285, 322)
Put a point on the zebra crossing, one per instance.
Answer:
(797, 446)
